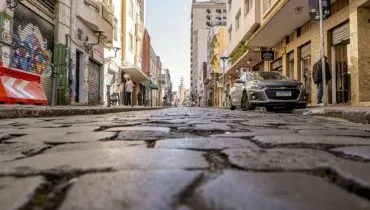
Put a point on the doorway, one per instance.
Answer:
(342, 73)
(77, 77)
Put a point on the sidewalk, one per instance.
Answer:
(22, 111)
(350, 113)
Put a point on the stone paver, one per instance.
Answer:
(14, 193)
(18, 150)
(279, 159)
(96, 146)
(61, 138)
(148, 190)
(355, 171)
(205, 143)
(254, 132)
(127, 159)
(335, 132)
(363, 152)
(187, 158)
(311, 139)
(266, 191)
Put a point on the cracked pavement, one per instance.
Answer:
(184, 159)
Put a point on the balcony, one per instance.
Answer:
(97, 15)
(138, 61)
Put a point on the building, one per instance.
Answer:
(181, 92)
(132, 32)
(70, 62)
(154, 75)
(217, 44)
(297, 46)
(204, 15)
(167, 88)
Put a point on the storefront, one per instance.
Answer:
(305, 73)
(33, 42)
(277, 65)
(290, 66)
(94, 82)
(341, 72)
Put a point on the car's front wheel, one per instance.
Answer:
(245, 105)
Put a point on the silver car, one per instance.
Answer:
(267, 89)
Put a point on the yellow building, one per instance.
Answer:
(218, 42)
(286, 28)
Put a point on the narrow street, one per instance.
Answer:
(184, 158)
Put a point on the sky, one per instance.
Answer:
(168, 24)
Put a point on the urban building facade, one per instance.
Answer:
(167, 88)
(204, 15)
(256, 26)
(217, 46)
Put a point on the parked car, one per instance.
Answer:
(267, 89)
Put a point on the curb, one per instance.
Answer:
(36, 112)
(350, 115)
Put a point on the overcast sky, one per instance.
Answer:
(168, 23)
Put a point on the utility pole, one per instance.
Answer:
(323, 62)
(224, 59)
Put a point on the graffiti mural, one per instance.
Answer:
(33, 42)
(30, 50)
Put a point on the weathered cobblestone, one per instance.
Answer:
(184, 158)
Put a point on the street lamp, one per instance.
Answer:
(224, 59)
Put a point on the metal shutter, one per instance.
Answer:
(340, 34)
(306, 51)
(94, 83)
(33, 43)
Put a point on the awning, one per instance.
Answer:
(293, 14)
(135, 73)
(152, 86)
(252, 56)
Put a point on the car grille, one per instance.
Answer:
(271, 94)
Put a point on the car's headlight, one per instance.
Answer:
(256, 85)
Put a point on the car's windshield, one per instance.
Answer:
(269, 76)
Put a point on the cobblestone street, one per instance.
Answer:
(184, 158)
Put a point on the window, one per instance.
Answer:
(219, 11)
(131, 11)
(131, 42)
(209, 24)
(208, 17)
(224, 10)
(208, 11)
(248, 4)
(267, 4)
(218, 18)
(225, 17)
(237, 20)
(230, 32)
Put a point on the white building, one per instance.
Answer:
(91, 29)
(132, 30)
(204, 15)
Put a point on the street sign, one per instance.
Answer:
(315, 9)
(267, 55)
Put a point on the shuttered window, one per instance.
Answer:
(306, 51)
(340, 34)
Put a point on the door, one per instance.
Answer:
(342, 74)
(94, 83)
(305, 73)
(77, 76)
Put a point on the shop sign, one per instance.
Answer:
(98, 53)
(267, 55)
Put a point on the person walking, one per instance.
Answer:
(317, 78)
(128, 92)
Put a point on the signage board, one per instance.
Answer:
(267, 55)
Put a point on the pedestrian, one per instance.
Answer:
(317, 79)
(128, 93)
